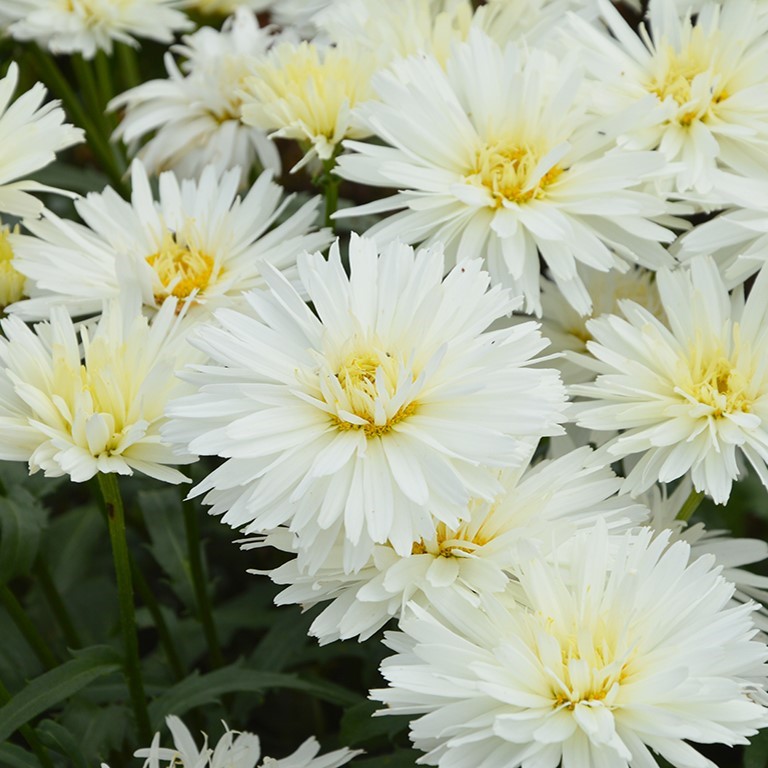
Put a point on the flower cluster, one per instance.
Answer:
(486, 418)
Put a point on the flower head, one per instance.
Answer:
(195, 112)
(306, 91)
(616, 650)
(506, 172)
(200, 242)
(707, 77)
(689, 394)
(30, 135)
(77, 403)
(540, 507)
(87, 26)
(392, 402)
(233, 750)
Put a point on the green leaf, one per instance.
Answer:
(756, 754)
(22, 518)
(197, 690)
(53, 687)
(58, 738)
(165, 524)
(12, 756)
(359, 726)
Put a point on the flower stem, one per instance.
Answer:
(328, 182)
(27, 628)
(690, 505)
(98, 142)
(194, 547)
(128, 64)
(117, 534)
(28, 733)
(58, 608)
(148, 598)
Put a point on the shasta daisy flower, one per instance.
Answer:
(307, 91)
(690, 394)
(195, 113)
(233, 750)
(707, 78)
(539, 507)
(736, 239)
(30, 135)
(618, 651)
(729, 553)
(77, 413)
(508, 171)
(567, 329)
(392, 402)
(398, 27)
(87, 26)
(199, 242)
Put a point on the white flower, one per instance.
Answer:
(233, 750)
(391, 402)
(616, 652)
(87, 26)
(536, 20)
(729, 553)
(708, 80)
(200, 243)
(195, 112)
(398, 27)
(567, 329)
(508, 171)
(30, 135)
(540, 506)
(736, 239)
(691, 394)
(307, 91)
(76, 413)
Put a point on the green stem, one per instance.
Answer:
(97, 141)
(194, 547)
(105, 86)
(28, 733)
(690, 505)
(27, 628)
(329, 183)
(128, 64)
(148, 598)
(113, 503)
(58, 608)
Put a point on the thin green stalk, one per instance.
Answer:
(104, 79)
(27, 628)
(329, 182)
(113, 503)
(194, 547)
(690, 505)
(97, 141)
(148, 598)
(128, 65)
(56, 603)
(28, 733)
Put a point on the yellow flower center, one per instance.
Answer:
(12, 283)
(510, 173)
(677, 71)
(722, 387)
(181, 267)
(471, 535)
(369, 381)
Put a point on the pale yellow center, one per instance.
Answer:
(719, 385)
(181, 267)
(12, 283)
(591, 670)
(468, 537)
(369, 379)
(509, 172)
(675, 75)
